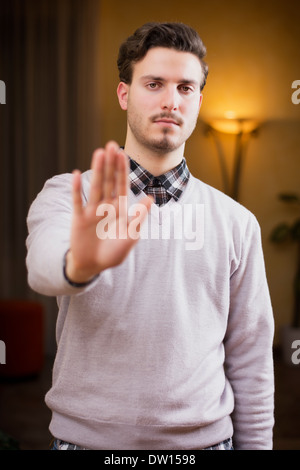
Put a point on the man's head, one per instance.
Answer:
(162, 73)
(176, 36)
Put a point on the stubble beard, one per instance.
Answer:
(159, 145)
(166, 142)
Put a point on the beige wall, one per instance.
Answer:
(254, 56)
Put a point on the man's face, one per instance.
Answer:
(163, 99)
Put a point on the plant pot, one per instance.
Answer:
(290, 344)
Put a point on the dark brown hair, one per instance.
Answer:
(176, 36)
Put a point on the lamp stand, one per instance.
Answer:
(241, 141)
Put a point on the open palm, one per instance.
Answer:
(100, 235)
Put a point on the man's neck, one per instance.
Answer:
(156, 163)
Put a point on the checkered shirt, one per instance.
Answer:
(163, 187)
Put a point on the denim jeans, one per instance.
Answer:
(58, 444)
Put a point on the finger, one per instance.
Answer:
(96, 189)
(135, 223)
(147, 201)
(109, 181)
(76, 192)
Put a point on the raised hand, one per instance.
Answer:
(92, 249)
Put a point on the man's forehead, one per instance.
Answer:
(162, 63)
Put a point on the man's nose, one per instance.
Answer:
(170, 99)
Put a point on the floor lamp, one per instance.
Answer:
(244, 130)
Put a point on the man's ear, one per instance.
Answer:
(122, 92)
(200, 101)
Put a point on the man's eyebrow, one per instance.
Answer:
(184, 81)
(190, 82)
(152, 77)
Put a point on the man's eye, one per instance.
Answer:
(186, 89)
(152, 85)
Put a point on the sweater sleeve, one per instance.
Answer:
(248, 346)
(49, 223)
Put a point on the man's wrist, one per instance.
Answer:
(75, 280)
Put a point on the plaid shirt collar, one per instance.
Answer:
(163, 187)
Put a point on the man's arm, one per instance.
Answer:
(248, 347)
(63, 242)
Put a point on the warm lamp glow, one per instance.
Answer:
(230, 114)
(233, 125)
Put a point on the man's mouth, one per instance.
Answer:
(169, 121)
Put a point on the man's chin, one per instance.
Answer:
(164, 145)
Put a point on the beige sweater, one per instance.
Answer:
(173, 348)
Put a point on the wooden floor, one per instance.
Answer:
(25, 417)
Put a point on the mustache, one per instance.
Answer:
(170, 116)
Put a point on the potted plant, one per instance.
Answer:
(285, 233)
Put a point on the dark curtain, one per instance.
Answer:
(50, 123)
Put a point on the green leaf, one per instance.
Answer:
(289, 197)
(295, 230)
(280, 233)
(7, 442)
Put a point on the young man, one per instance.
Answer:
(165, 324)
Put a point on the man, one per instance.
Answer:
(165, 324)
